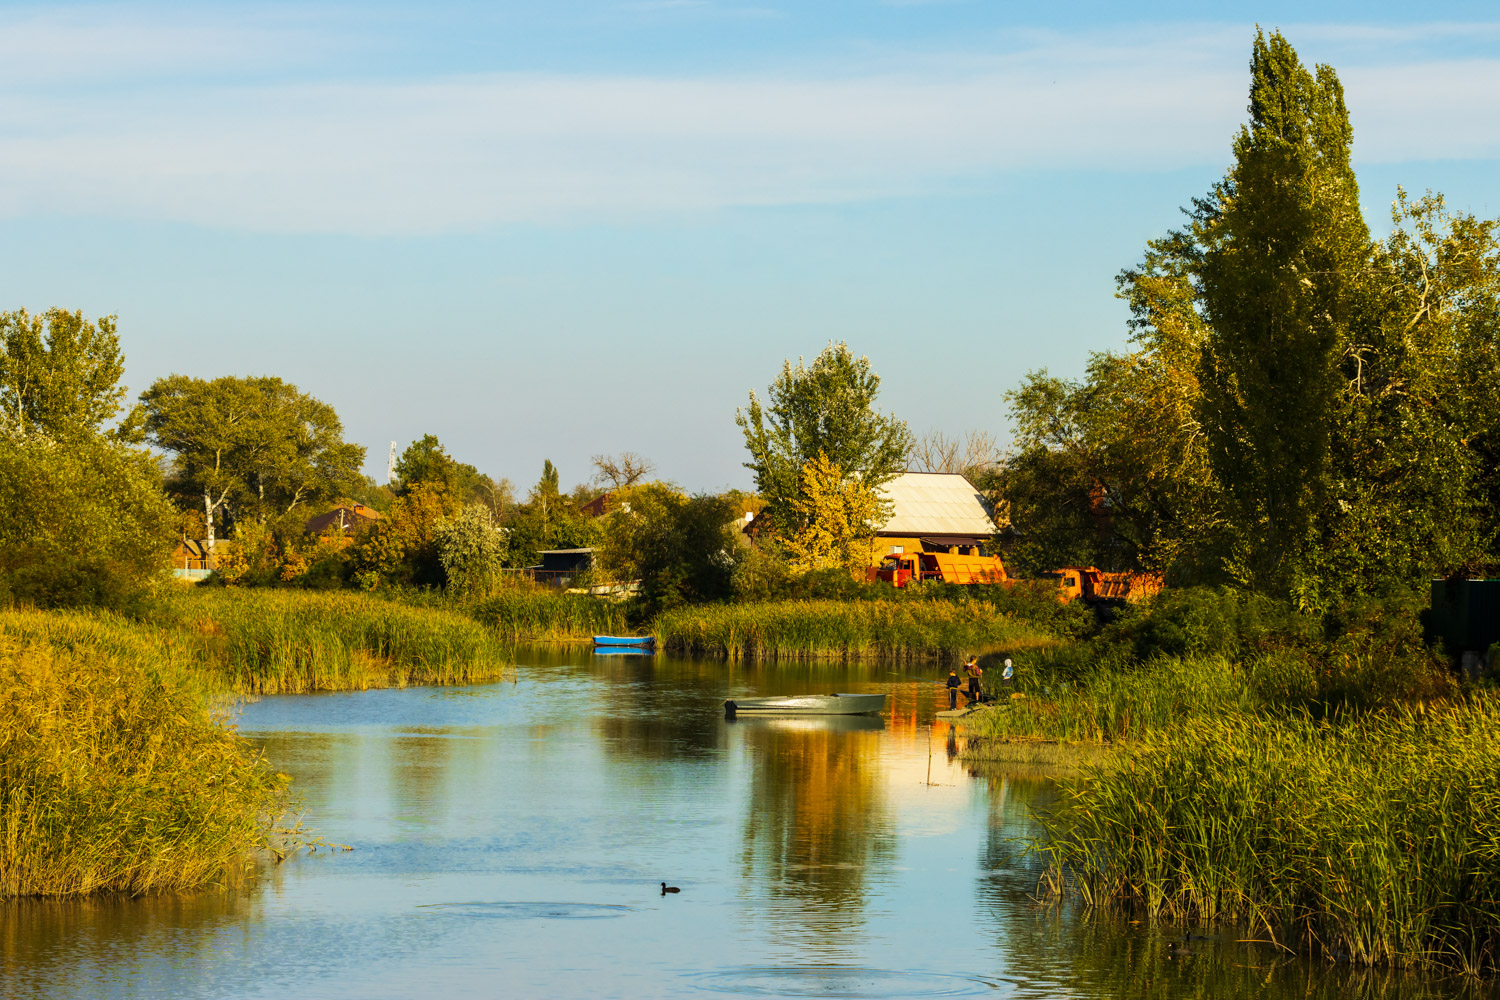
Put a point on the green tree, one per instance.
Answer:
(548, 519)
(827, 408)
(83, 521)
(60, 374)
(471, 548)
(678, 546)
(254, 447)
(427, 461)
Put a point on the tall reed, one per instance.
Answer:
(287, 642)
(115, 775)
(539, 614)
(902, 630)
(1371, 840)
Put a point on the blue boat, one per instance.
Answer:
(626, 641)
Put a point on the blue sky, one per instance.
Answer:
(559, 229)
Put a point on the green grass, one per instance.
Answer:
(115, 774)
(1371, 840)
(538, 614)
(288, 641)
(901, 630)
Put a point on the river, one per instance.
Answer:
(509, 840)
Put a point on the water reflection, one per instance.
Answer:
(817, 828)
(510, 839)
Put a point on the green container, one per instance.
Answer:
(1465, 615)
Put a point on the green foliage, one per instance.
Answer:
(114, 775)
(545, 614)
(826, 408)
(1304, 411)
(679, 547)
(427, 462)
(903, 630)
(401, 549)
(290, 642)
(59, 374)
(1370, 840)
(548, 519)
(471, 547)
(255, 447)
(83, 520)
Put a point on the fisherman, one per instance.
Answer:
(973, 671)
(953, 683)
(1009, 676)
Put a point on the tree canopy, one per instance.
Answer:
(825, 408)
(59, 373)
(255, 447)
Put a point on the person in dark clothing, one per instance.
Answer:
(953, 683)
(974, 672)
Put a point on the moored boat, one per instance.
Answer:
(629, 641)
(807, 704)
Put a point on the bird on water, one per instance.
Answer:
(668, 888)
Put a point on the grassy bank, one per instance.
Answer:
(115, 775)
(535, 614)
(1369, 840)
(289, 642)
(901, 630)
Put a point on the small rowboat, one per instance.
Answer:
(627, 641)
(807, 704)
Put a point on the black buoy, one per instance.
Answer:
(668, 888)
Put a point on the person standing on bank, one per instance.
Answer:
(973, 672)
(1008, 678)
(953, 683)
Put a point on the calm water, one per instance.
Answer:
(510, 840)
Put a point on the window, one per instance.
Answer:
(897, 549)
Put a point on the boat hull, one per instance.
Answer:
(807, 704)
(626, 641)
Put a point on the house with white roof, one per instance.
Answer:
(933, 512)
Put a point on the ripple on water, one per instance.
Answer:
(840, 981)
(533, 911)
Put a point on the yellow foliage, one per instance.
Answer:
(838, 516)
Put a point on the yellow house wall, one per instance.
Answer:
(882, 547)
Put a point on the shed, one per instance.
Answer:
(560, 566)
(933, 512)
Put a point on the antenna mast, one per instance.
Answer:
(390, 465)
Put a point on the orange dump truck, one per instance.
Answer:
(902, 568)
(1094, 585)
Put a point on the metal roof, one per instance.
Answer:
(935, 503)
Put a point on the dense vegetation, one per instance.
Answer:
(115, 774)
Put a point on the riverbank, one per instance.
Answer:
(117, 774)
(907, 630)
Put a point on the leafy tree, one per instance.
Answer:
(60, 374)
(839, 515)
(427, 461)
(255, 447)
(548, 519)
(471, 548)
(83, 521)
(402, 549)
(825, 408)
(678, 546)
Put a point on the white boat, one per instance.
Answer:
(807, 704)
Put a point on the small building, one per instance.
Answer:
(933, 512)
(599, 506)
(191, 560)
(347, 519)
(560, 566)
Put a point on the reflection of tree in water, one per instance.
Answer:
(818, 828)
(1063, 951)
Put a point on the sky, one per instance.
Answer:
(580, 227)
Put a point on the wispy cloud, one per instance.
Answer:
(464, 152)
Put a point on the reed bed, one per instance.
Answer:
(535, 614)
(1371, 840)
(899, 630)
(115, 775)
(290, 642)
